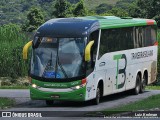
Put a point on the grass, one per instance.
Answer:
(6, 102)
(150, 102)
(14, 87)
(10, 83)
(156, 87)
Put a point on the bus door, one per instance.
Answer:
(102, 70)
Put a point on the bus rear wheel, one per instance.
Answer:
(143, 84)
(49, 102)
(98, 95)
(136, 90)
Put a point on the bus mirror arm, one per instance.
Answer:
(25, 50)
(88, 51)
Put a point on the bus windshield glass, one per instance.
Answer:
(58, 57)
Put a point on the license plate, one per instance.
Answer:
(55, 96)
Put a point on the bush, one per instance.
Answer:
(12, 42)
(158, 61)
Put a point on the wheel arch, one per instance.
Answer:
(146, 75)
(140, 74)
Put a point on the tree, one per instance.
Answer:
(73, 1)
(149, 8)
(62, 9)
(157, 18)
(102, 8)
(80, 9)
(124, 4)
(118, 12)
(134, 10)
(91, 13)
(35, 19)
(146, 9)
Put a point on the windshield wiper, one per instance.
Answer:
(60, 65)
(49, 64)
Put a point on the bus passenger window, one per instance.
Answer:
(153, 34)
(150, 35)
(139, 37)
(147, 36)
(116, 40)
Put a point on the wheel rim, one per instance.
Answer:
(137, 88)
(98, 95)
(143, 84)
(138, 85)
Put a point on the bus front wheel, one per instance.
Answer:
(49, 102)
(98, 95)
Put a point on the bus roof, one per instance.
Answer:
(117, 22)
(83, 26)
(70, 27)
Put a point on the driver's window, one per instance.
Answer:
(90, 66)
(94, 36)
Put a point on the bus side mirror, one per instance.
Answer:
(88, 51)
(25, 50)
(36, 42)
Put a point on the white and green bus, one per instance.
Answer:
(85, 58)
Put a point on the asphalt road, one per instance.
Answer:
(23, 103)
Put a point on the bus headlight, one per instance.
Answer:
(78, 87)
(83, 83)
(34, 85)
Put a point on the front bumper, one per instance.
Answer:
(74, 95)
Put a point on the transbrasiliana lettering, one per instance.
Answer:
(143, 54)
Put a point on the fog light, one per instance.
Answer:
(34, 85)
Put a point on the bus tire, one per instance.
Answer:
(143, 84)
(136, 90)
(49, 102)
(98, 95)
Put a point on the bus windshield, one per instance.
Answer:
(58, 57)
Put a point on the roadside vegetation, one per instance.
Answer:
(12, 40)
(20, 19)
(14, 83)
(152, 102)
(153, 87)
(14, 87)
(6, 103)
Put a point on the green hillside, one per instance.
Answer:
(91, 4)
(15, 11)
